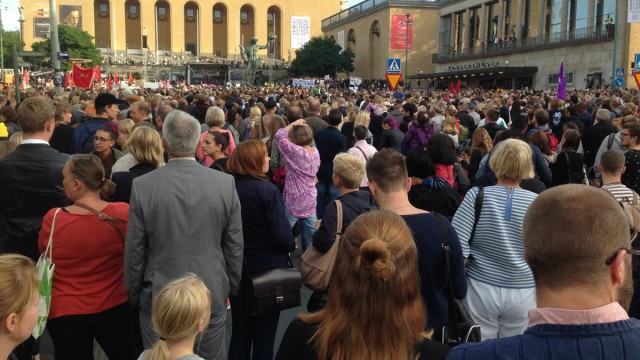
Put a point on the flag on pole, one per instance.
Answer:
(458, 87)
(130, 77)
(67, 79)
(25, 79)
(82, 77)
(164, 85)
(562, 82)
(96, 75)
(109, 82)
(117, 80)
(451, 89)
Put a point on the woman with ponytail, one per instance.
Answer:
(89, 299)
(375, 310)
(181, 313)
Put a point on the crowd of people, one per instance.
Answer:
(161, 206)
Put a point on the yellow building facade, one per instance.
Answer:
(174, 27)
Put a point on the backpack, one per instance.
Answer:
(464, 134)
(632, 213)
(553, 140)
(444, 201)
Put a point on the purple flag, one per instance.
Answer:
(562, 82)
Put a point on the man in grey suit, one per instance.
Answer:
(184, 218)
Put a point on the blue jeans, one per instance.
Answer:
(327, 192)
(307, 227)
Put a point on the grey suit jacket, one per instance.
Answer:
(183, 218)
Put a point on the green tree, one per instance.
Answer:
(321, 56)
(10, 38)
(79, 45)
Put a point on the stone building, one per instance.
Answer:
(195, 27)
(492, 43)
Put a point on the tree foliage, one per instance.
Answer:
(321, 56)
(79, 44)
(10, 38)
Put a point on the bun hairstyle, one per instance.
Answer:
(182, 309)
(375, 285)
(88, 169)
(375, 256)
(221, 138)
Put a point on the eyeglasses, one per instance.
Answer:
(630, 251)
(101, 140)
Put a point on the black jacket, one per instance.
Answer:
(593, 137)
(353, 204)
(124, 179)
(467, 121)
(493, 128)
(30, 185)
(391, 139)
(265, 228)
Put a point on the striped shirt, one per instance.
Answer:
(620, 192)
(497, 249)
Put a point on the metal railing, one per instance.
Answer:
(548, 41)
(371, 5)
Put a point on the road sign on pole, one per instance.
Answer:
(636, 76)
(619, 82)
(394, 66)
(637, 63)
(620, 72)
(393, 80)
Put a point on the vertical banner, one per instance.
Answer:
(41, 20)
(341, 39)
(633, 11)
(300, 31)
(401, 33)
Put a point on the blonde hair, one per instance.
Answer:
(145, 145)
(125, 126)
(349, 169)
(180, 308)
(363, 118)
(18, 284)
(255, 112)
(512, 160)
(449, 126)
(214, 117)
(375, 285)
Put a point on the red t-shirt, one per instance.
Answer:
(446, 172)
(89, 259)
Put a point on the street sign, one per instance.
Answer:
(63, 56)
(619, 82)
(393, 80)
(636, 76)
(620, 72)
(394, 66)
(637, 63)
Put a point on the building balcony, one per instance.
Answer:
(554, 40)
(370, 6)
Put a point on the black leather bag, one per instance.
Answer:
(461, 328)
(273, 290)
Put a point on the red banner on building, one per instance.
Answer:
(401, 32)
(82, 77)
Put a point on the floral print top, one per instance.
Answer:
(301, 168)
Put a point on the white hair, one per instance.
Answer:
(181, 132)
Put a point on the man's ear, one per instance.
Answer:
(373, 188)
(618, 267)
(408, 183)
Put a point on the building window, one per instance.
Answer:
(244, 17)
(104, 8)
(190, 13)
(553, 79)
(217, 16)
(162, 11)
(133, 10)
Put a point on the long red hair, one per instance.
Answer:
(248, 159)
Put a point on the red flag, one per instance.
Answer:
(451, 89)
(164, 85)
(458, 87)
(82, 77)
(96, 75)
(117, 81)
(67, 79)
(130, 77)
(25, 79)
(109, 83)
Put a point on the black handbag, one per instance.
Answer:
(273, 290)
(461, 328)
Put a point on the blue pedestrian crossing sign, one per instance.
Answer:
(619, 82)
(620, 72)
(637, 63)
(394, 66)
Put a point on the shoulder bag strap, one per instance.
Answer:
(477, 208)
(339, 220)
(49, 249)
(106, 218)
(453, 317)
(363, 154)
(263, 130)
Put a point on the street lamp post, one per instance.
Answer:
(406, 49)
(144, 45)
(1, 48)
